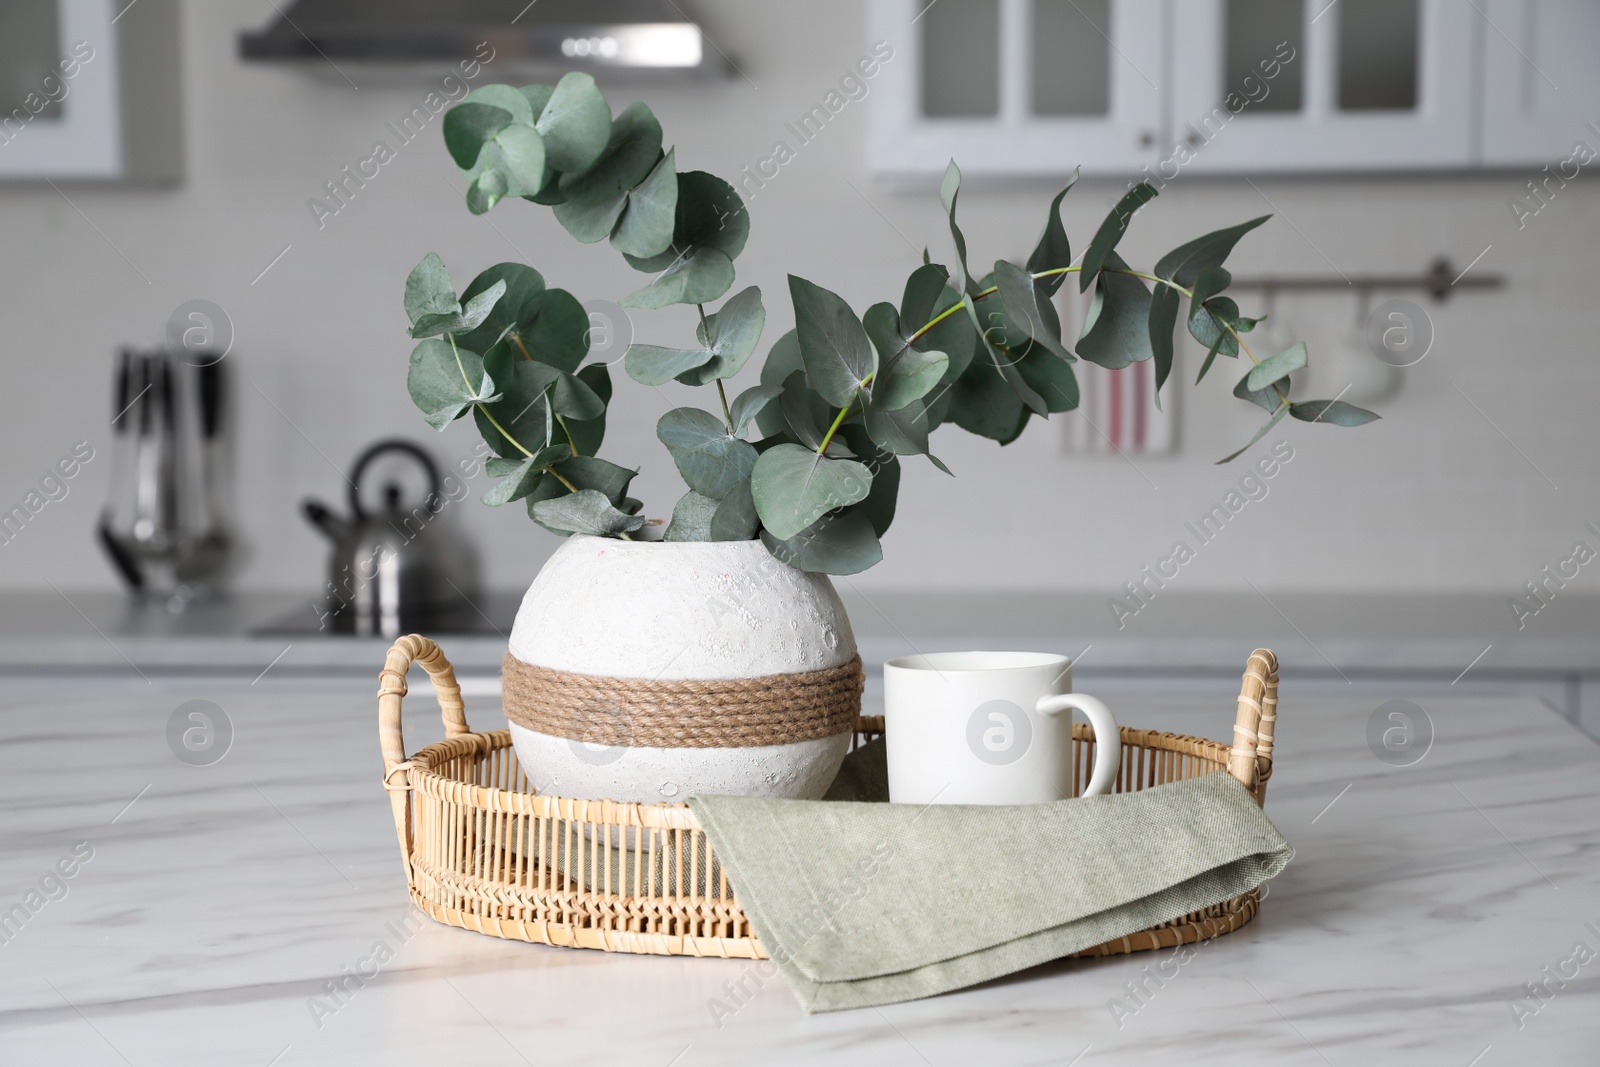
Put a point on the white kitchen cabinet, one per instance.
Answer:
(1371, 85)
(1017, 87)
(1334, 86)
(1541, 85)
(89, 90)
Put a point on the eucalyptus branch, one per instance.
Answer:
(816, 511)
(489, 415)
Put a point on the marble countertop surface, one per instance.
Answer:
(1176, 631)
(211, 909)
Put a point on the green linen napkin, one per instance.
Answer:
(861, 903)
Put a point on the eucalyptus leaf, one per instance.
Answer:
(466, 320)
(736, 518)
(1275, 368)
(1053, 251)
(1210, 314)
(468, 126)
(908, 377)
(586, 435)
(748, 404)
(654, 365)
(521, 409)
(1052, 378)
(949, 193)
(549, 194)
(793, 487)
(429, 291)
(517, 153)
(783, 360)
(585, 512)
(834, 544)
(879, 505)
(927, 292)
(711, 462)
(591, 472)
(537, 96)
(709, 214)
(983, 404)
(486, 190)
(1336, 412)
(591, 221)
(903, 431)
(1277, 414)
(955, 336)
(504, 97)
(522, 285)
(1269, 397)
(1211, 355)
(839, 357)
(573, 399)
(730, 336)
(998, 335)
(1163, 320)
(555, 330)
(799, 412)
(445, 382)
(882, 323)
(691, 518)
(904, 373)
(630, 154)
(648, 220)
(1034, 317)
(1184, 263)
(1116, 330)
(1110, 232)
(703, 275)
(522, 478)
(1209, 324)
(575, 124)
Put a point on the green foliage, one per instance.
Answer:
(712, 461)
(810, 459)
(585, 512)
(794, 486)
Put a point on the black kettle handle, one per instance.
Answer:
(435, 496)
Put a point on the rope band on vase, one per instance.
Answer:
(775, 709)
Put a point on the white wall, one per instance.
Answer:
(1432, 497)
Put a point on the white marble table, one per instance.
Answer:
(221, 902)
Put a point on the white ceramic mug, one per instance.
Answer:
(989, 728)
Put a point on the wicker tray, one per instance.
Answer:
(482, 851)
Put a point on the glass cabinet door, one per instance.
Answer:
(1279, 85)
(1017, 87)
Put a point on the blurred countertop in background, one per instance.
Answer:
(1402, 645)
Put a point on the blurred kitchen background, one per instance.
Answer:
(1430, 151)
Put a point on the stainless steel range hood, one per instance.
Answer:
(594, 35)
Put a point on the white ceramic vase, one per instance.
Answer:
(673, 611)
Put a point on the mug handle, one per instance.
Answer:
(1108, 757)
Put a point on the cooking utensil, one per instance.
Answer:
(395, 569)
(165, 526)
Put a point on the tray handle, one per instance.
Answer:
(413, 648)
(1251, 758)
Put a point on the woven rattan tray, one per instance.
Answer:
(484, 852)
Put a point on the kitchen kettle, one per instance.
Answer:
(397, 569)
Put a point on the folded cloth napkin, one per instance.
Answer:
(860, 902)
